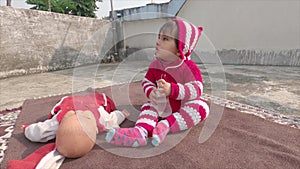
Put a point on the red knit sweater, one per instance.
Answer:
(184, 76)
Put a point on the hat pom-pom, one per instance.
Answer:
(200, 28)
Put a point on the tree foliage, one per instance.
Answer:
(73, 7)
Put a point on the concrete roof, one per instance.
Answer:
(150, 11)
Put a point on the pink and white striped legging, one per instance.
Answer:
(189, 115)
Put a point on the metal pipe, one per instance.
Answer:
(113, 28)
(112, 10)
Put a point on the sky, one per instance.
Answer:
(104, 6)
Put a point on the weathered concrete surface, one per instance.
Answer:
(274, 88)
(250, 57)
(36, 41)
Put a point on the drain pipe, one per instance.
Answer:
(115, 54)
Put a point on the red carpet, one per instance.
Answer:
(240, 141)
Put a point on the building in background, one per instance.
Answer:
(240, 32)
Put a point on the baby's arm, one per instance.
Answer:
(113, 119)
(149, 87)
(41, 131)
(187, 91)
(121, 115)
(191, 88)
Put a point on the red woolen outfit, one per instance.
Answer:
(90, 102)
(188, 109)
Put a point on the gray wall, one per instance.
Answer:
(36, 41)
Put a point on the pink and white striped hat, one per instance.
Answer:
(188, 36)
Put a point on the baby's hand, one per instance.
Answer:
(125, 113)
(164, 87)
(156, 95)
(153, 95)
(23, 127)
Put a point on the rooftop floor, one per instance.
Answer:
(273, 88)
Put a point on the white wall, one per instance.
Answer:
(246, 24)
(256, 32)
(142, 33)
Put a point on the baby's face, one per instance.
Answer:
(166, 48)
(76, 134)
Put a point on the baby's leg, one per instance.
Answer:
(33, 159)
(42, 158)
(189, 115)
(136, 136)
(130, 137)
(160, 132)
(42, 131)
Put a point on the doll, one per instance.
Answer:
(74, 122)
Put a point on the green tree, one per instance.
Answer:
(73, 7)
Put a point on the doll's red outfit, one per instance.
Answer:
(103, 109)
(91, 102)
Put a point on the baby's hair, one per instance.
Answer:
(170, 28)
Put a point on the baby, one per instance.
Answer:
(173, 83)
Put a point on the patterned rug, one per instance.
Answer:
(8, 119)
(7, 122)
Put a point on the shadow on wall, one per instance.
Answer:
(97, 49)
(64, 57)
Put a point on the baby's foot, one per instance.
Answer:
(160, 132)
(130, 137)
